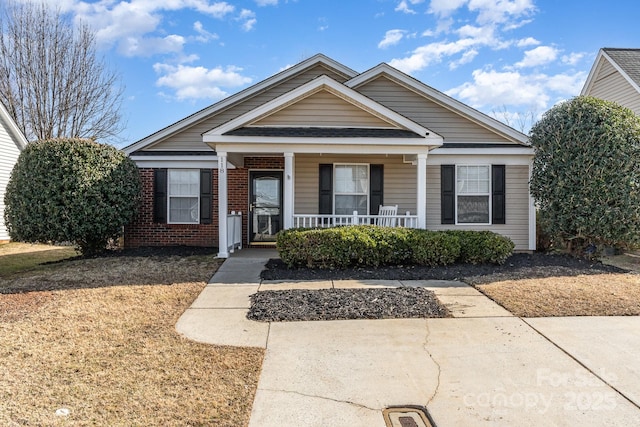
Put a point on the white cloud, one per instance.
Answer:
(500, 11)
(573, 58)
(203, 35)
(466, 57)
(391, 38)
(492, 17)
(445, 7)
(248, 19)
(431, 53)
(199, 82)
(266, 2)
(492, 88)
(538, 56)
(127, 24)
(150, 46)
(404, 7)
(526, 42)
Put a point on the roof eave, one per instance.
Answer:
(318, 59)
(441, 98)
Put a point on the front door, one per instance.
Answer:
(265, 209)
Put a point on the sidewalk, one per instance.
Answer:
(482, 367)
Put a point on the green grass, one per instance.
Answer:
(17, 257)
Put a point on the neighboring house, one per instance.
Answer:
(615, 76)
(12, 141)
(318, 141)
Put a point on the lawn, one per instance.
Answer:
(16, 256)
(96, 338)
(564, 291)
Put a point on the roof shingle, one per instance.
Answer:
(628, 60)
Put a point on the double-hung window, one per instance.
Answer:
(351, 189)
(184, 196)
(473, 194)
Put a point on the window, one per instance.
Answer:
(351, 189)
(473, 189)
(184, 196)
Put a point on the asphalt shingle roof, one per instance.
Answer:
(628, 60)
(317, 132)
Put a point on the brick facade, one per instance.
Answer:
(143, 231)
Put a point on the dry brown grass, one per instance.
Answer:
(15, 256)
(98, 337)
(571, 295)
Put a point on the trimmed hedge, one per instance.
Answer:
(482, 247)
(370, 245)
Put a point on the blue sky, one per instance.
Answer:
(502, 57)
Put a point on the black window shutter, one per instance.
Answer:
(205, 196)
(160, 195)
(376, 188)
(498, 194)
(448, 194)
(325, 186)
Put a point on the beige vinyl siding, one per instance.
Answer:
(612, 86)
(399, 180)
(322, 109)
(9, 153)
(517, 209)
(446, 123)
(191, 138)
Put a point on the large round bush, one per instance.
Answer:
(586, 173)
(71, 190)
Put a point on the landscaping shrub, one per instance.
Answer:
(586, 174)
(434, 248)
(482, 247)
(71, 190)
(369, 245)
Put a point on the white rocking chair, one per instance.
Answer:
(387, 216)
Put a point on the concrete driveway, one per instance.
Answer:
(482, 367)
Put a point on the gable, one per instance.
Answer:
(610, 84)
(322, 109)
(629, 62)
(451, 125)
(189, 138)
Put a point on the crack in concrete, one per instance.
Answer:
(426, 349)
(348, 402)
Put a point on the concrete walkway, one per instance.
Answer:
(482, 367)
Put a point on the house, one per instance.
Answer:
(12, 141)
(320, 144)
(615, 76)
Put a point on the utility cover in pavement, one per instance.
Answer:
(407, 417)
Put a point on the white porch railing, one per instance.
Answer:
(327, 221)
(234, 231)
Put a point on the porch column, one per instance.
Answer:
(222, 206)
(288, 191)
(421, 195)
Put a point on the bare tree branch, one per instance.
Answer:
(52, 81)
(519, 120)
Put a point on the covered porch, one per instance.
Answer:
(338, 150)
(298, 195)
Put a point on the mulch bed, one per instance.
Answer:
(536, 265)
(342, 304)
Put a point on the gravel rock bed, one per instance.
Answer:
(343, 304)
(516, 266)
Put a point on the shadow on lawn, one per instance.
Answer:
(144, 266)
